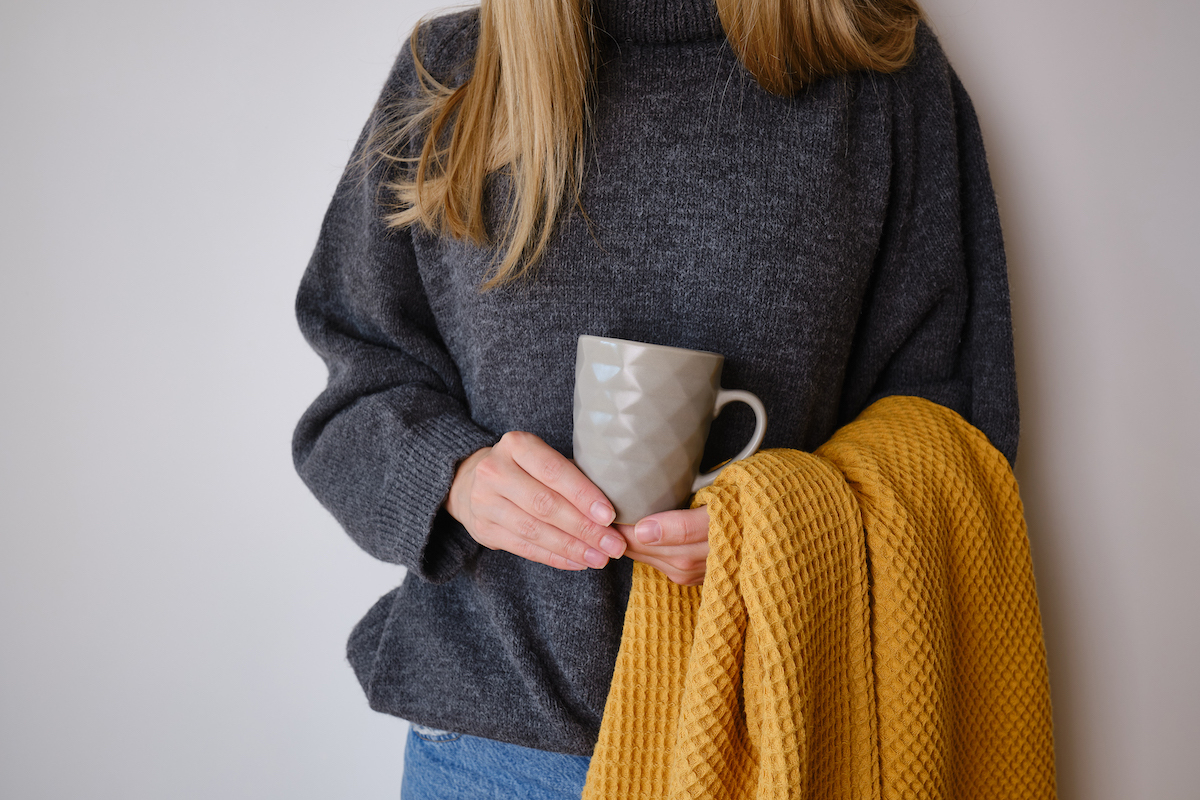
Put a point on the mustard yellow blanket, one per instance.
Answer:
(817, 661)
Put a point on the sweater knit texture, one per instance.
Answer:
(836, 247)
(817, 662)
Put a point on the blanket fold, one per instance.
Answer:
(868, 628)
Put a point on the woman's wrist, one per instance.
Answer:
(458, 499)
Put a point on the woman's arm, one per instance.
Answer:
(936, 321)
(383, 443)
(380, 445)
(390, 443)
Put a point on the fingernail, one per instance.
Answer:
(613, 545)
(603, 513)
(648, 531)
(595, 558)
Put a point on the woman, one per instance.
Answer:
(797, 184)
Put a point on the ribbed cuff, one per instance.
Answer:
(428, 540)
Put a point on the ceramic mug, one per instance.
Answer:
(642, 413)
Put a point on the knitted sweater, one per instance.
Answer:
(837, 246)
(868, 628)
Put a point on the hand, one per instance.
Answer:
(673, 542)
(526, 498)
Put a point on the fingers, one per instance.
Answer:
(680, 550)
(525, 529)
(517, 532)
(550, 488)
(545, 464)
(685, 571)
(524, 497)
(673, 527)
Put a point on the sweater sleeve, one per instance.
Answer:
(936, 320)
(380, 445)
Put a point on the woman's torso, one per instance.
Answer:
(719, 217)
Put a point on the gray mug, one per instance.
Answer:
(642, 413)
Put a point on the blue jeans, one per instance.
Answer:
(439, 765)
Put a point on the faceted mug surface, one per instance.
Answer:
(642, 413)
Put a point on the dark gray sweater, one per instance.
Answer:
(837, 246)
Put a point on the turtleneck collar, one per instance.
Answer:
(659, 21)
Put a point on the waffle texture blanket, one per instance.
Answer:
(868, 628)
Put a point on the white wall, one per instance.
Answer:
(173, 604)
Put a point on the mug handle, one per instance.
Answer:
(725, 396)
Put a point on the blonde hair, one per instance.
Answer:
(524, 110)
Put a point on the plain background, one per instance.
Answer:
(173, 603)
